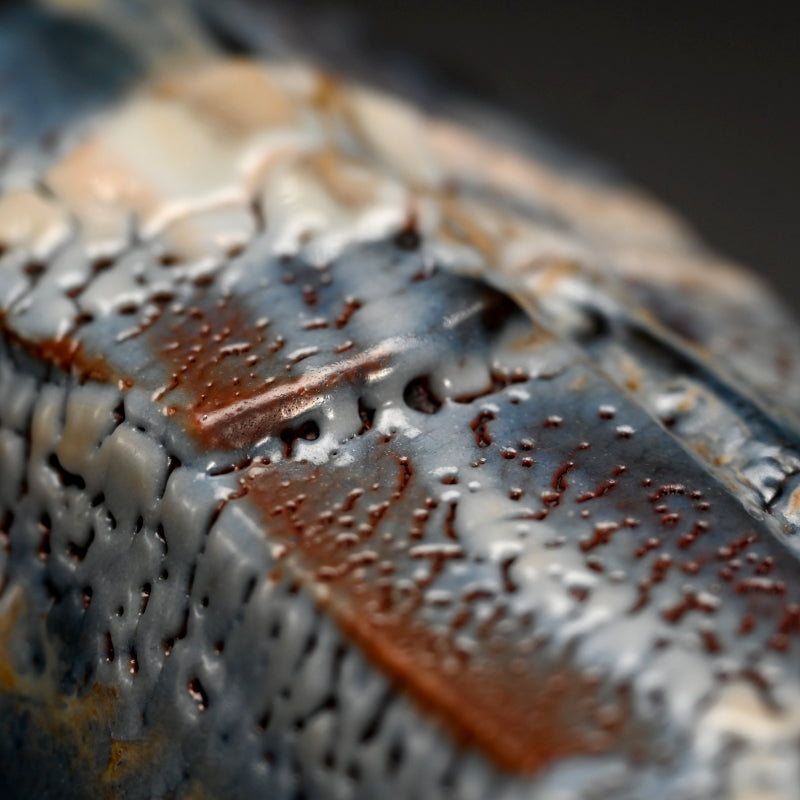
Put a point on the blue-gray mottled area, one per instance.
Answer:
(55, 68)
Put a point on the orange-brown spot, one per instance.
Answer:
(8, 621)
(793, 506)
(127, 758)
(70, 722)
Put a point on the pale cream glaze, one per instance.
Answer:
(217, 136)
(32, 222)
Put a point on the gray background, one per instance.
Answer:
(698, 104)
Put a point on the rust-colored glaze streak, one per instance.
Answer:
(65, 353)
(232, 379)
(248, 419)
(522, 712)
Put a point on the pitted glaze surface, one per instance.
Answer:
(345, 454)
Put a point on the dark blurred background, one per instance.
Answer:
(699, 103)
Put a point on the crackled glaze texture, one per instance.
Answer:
(347, 455)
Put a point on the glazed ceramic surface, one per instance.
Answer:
(345, 454)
